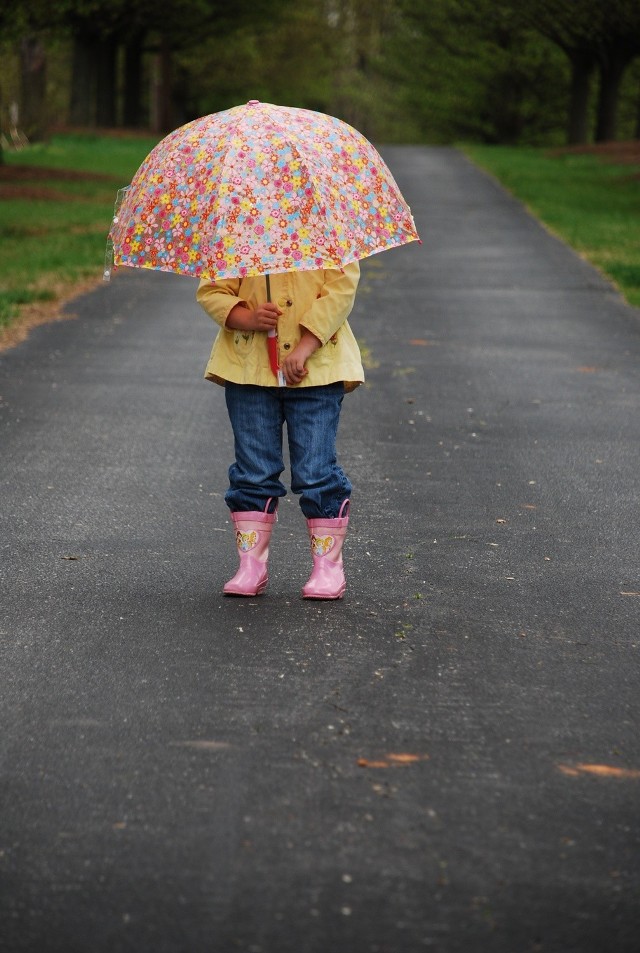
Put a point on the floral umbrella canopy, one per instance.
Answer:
(255, 190)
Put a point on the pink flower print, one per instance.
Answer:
(245, 249)
(259, 229)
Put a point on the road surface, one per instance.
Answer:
(449, 758)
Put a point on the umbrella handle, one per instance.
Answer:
(272, 346)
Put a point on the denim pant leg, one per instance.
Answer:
(257, 420)
(312, 415)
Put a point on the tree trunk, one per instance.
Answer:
(132, 105)
(161, 109)
(83, 78)
(106, 92)
(612, 69)
(582, 67)
(33, 70)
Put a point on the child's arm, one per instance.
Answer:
(330, 311)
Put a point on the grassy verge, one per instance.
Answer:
(56, 203)
(590, 199)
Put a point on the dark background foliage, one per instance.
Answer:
(497, 71)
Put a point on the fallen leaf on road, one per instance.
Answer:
(404, 758)
(585, 369)
(599, 770)
(630, 593)
(420, 342)
(392, 760)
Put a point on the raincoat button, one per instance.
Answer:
(289, 303)
(286, 346)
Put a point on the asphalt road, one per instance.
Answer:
(449, 758)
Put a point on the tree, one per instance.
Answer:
(474, 69)
(14, 25)
(114, 43)
(619, 46)
(33, 73)
(593, 35)
(572, 27)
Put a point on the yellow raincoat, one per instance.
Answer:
(320, 301)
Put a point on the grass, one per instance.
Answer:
(56, 204)
(591, 200)
(117, 156)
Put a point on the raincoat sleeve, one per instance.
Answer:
(219, 297)
(333, 306)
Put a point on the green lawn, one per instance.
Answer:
(53, 226)
(592, 204)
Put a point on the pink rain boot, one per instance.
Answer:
(253, 532)
(327, 577)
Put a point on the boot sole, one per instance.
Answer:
(323, 598)
(246, 595)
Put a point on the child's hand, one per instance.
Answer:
(293, 366)
(264, 318)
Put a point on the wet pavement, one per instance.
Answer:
(449, 758)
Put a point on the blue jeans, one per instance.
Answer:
(257, 416)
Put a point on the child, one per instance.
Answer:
(320, 361)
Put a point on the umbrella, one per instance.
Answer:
(258, 189)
